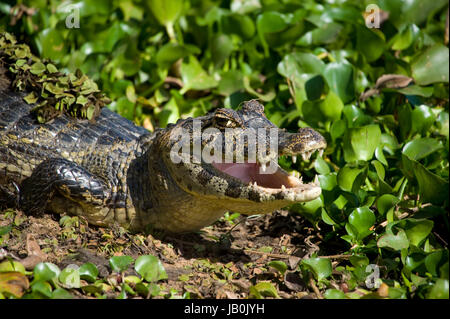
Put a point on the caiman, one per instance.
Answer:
(112, 171)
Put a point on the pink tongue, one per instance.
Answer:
(246, 172)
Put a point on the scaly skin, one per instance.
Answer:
(112, 171)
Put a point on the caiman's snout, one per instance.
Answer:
(305, 142)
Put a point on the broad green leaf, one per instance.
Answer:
(230, 82)
(321, 166)
(431, 66)
(12, 265)
(194, 77)
(264, 289)
(70, 277)
(340, 79)
(434, 260)
(386, 202)
(120, 263)
(88, 271)
(270, 21)
(326, 34)
(278, 265)
(439, 290)
(171, 52)
(417, 230)
(351, 178)
(331, 107)
(432, 188)
(150, 268)
(166, 12)
(42, 287)
(45, 271)
(361, 220)
(398, 241)
(61, 293)
(369, 43)
(221, 48)
(334, 294)
(360, 143)
(421, 148)
(320, 267)
(405, 38)
(51, 44)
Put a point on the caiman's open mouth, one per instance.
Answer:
(252, 174)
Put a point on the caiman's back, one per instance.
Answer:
(89, 169)
(100, 147)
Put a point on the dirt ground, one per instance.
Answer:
(221, 261)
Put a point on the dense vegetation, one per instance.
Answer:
(378, 95)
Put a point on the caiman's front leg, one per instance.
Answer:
(65, 177)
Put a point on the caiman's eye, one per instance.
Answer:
(227, 118)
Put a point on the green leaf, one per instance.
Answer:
(417, 230)
(405, 38)
(88, 271)
(386, 202)
(369, 43)
(340, 79)
(61, 293)
(51, 44)
(331, 107)
(278, 265)
(150, 268)
(361, 220)
(326, 34)
(194, 77)
(265, 289)
(221, 48)
(439, 290)
(432, 188)
(351, 178)
(42, 287)
(320, 267)
(70, 277)
(270, 21)
(12, 265)
(166, 12)
(431, 66)
(171, 52)
(398, 241)
(45, 271)
(51, 68)
(120, 263)
(334, 294)
(421, 148)
(37, 68)
(360, 143)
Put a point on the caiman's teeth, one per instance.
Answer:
(295, 174)
(316, 180)
(283, 188)
(305, 156)
(254, 184)
(294, 159)
(263, 167)
(320, 153)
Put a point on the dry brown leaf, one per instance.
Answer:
(393, 81)
(13, 283)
